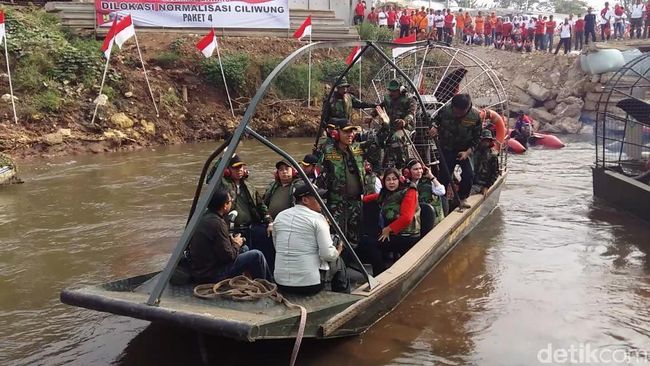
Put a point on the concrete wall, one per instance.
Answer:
(342, 8)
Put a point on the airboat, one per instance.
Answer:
(432, 73)
(621, 175)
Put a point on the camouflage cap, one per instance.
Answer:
(393, 85)
(343, 82)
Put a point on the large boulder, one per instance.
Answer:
(149, 127)
(519, 95)
(569, 107)
(521, 81)
(121, 120)
(549, 128)
(569, 125)
(550, 104)
(53, 138)
(541, 116)
(538, 92)
(519, 107)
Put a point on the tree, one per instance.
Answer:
(522, 5)
(570, 6)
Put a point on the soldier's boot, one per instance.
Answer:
(463, 205)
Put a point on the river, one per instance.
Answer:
(549, 269)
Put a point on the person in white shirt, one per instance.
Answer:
(606, 17)
(430, 21)
(304, 247)
(636, 19)
(383, 18)
(565, 37)
(439, 22)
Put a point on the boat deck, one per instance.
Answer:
(245, 320)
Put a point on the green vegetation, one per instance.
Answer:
(293, 82)
(167, 59)
(371, 32)
(234, 67)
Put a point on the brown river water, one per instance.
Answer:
(549, 269)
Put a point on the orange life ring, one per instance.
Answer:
(499, 124)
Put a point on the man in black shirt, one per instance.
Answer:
(590, 26)
(215, 254)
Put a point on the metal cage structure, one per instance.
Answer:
(439, 72)
(623, 120)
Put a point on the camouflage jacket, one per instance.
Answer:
(403, 107)
(341, 107)
(272, 187)
(458, 134)
(335, 166)
(486, 167)
(250, 197)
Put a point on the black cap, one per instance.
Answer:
(236, 161)
(281, 163)
(301, 189)
(309, 159)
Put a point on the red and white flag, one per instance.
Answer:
(2, 26)
(304, 30)
(107, 46)
(404, 40)
(355, 51)
(207, 44)
(124, 31)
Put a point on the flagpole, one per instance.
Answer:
(309, 75)
(137, 45)
(223, 75)
(11, 88)
(101, 86)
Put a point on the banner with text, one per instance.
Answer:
(196, 13)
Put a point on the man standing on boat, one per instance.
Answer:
(342, 174)
(459, 126)
(400, 109)
(253, 220)
(215, 253)
(342, 103)
(306, 255)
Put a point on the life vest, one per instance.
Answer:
(248, 193)
(340, 107)
(390, 206)
(425, 195)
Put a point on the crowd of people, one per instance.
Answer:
(523, 33)
(282, 236)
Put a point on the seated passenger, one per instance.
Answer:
(486, 164)
(399, 216)
(253, 220)
(430, 191)
(372, 183)
(309, 167)
(215, 254)
(305, 254)
(277, 196)
(523, 130)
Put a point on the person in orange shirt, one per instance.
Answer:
(422, 21)
(479, 23)
(460, 23)
(493, 23)
(468, 19)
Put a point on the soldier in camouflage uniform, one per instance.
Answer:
(343, 175)
(486, 164)
(459, 126)
(401, 110)
(342, 103)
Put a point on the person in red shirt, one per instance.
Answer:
(449, 26)
(392, 17)
(400, 230)
(404, 24)
(550, 32)
(579, 28)
(507, 30)
(359, 12)
(489, 32)
(540, 29)
(498, 30)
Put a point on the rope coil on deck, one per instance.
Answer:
(242, 288)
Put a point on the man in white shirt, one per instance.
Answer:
(636, 19)
(439, 21)
(430, 21)
(304, 247)
(565, 37)
(382, 18)
(606, 17)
